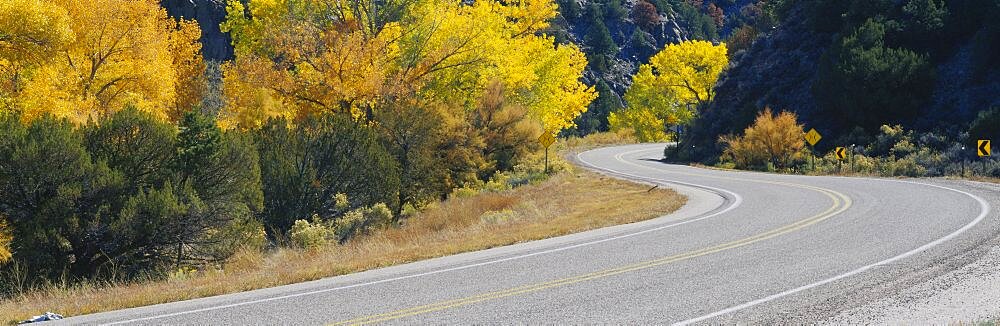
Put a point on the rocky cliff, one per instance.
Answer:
(216, 45)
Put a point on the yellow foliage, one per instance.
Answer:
(31, 33)
(677, 80)
(306, 61)
(190, 85)
(775, 139)
(5, 239)
(103, 55)
(643, 124)
(443, 50)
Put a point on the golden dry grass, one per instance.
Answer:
(565, 203)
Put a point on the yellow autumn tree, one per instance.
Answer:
(298, 57)
(294, 60)
(188, 64)
(774, 139)
(32, 32)
(677, 81)
(643, 124)
(116, 53)
(494, 41)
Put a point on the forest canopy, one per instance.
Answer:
(299, 57)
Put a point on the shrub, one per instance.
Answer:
(498, 217)
(309, 235)
(906, 166)
(644, 15)
(304, 167)
(985, 126)
(741, 39)
(111, 200)
(887, 139)
(5, 239)
(772, 139)
(361, 221)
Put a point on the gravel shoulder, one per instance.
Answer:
(939, 289)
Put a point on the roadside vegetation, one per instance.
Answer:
(516, 206)
(775, 143)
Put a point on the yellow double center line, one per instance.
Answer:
(840, 203)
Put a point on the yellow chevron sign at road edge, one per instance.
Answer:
(841, 153)
(983, 147)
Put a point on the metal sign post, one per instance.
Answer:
(812, 137)
(546, 139)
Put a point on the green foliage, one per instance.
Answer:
(318, 233)
(699, 25)
(985, 126)
(865, 83)
(303, 168)
(362, 221)
(134, 143)
(197, 141)
(44, 169)
(642, 44)
(110, 199)
(412, 134)
(596, 118)
(598, 38)
(613, 9)
(309, 235)
(570, 9)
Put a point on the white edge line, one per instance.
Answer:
(737, 201)
(984, 210)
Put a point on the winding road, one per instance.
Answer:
(748, 247)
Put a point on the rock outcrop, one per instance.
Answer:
(216, 45)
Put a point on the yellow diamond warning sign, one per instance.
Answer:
(813, 137)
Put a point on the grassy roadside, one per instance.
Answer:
(570, 201)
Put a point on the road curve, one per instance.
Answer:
(748, 247)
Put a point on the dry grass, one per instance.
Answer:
(578, 144)
(565, 203)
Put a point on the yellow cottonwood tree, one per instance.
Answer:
(307, 55)
(317, 55)
(32, 32)
(677, 81)
(190, 85)
(118, 53)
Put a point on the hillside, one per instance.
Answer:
(847, 68)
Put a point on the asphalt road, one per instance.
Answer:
(749, 247)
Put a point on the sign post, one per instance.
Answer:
(841, 154)
(812, 137)
(546, 139)
(983, 150)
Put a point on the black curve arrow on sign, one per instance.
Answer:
(840, 152)
(982, 147)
